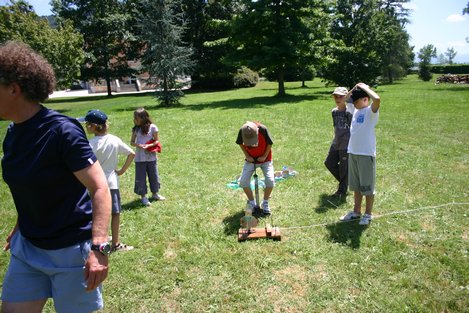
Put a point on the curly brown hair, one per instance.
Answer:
(22, 65)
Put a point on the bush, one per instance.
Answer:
(424, 72)
(450, 69)
(245, 77)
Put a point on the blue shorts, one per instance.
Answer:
(35, 274)
(116, 201)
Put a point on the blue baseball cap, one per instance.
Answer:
(95, 117)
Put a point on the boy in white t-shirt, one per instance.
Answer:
(362, 151)
(107, 149)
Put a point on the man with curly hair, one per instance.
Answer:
(59, 244)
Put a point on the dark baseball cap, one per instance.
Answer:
(95, 117)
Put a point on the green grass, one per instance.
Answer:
(187, 258)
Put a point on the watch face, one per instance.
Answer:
(105, 248)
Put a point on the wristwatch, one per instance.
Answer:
(104, 248)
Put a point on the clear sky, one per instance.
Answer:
(436, 22)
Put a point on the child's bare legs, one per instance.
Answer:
(357, 197)
(369, 203)
(115, 220)
(267, 192)
(249, 194)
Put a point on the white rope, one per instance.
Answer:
(381, 215)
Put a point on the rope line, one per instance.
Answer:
(381, 215)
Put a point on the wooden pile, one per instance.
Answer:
(453, 79)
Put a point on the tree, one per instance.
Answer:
(397, 55)
(355, 55)
(61, 46)
(275, 35)
(450, 53)
(442, 59)
(104, 25)
(166, 57)
(425, 55)
(369, 40)
(207, 31)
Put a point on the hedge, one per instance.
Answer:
(450, 69)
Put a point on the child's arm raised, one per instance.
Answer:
(376, 101)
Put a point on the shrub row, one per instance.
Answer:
(450, 69)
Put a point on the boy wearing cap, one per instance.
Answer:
(107, 149)
(337, 158)
(362, 151)
(255, 142)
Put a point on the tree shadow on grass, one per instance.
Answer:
(327, 202)
(346, 233)
(232, 223)
(254, 102)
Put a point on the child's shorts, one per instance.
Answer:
(116, 201)
(362, 174)
(35, 274)
(248, 170)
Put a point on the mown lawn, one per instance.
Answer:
(413, 258)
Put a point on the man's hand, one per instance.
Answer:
(96, 269)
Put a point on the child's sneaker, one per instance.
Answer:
(350, 216)
(366, 219)
(265, 207)
(121, 247)
(158, 197)
(145, 201)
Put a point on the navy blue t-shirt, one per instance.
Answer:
(40, 156)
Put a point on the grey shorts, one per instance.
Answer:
(362, 174)
(248, 169)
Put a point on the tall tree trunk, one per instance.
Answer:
(281, 82)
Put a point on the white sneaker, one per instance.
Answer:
(366, 219)
(145, 201)
(158, 197)
(350, 216)
(265, 207)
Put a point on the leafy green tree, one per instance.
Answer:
(207, 31)
(450, 53)
(355, 55)
(396, 53)
(61, 46)
(104, 25)
(275, 35)
(425, 55)
(369, 41)
(166, 57)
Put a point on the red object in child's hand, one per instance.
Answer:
(155, 148)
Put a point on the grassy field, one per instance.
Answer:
(413, 258)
